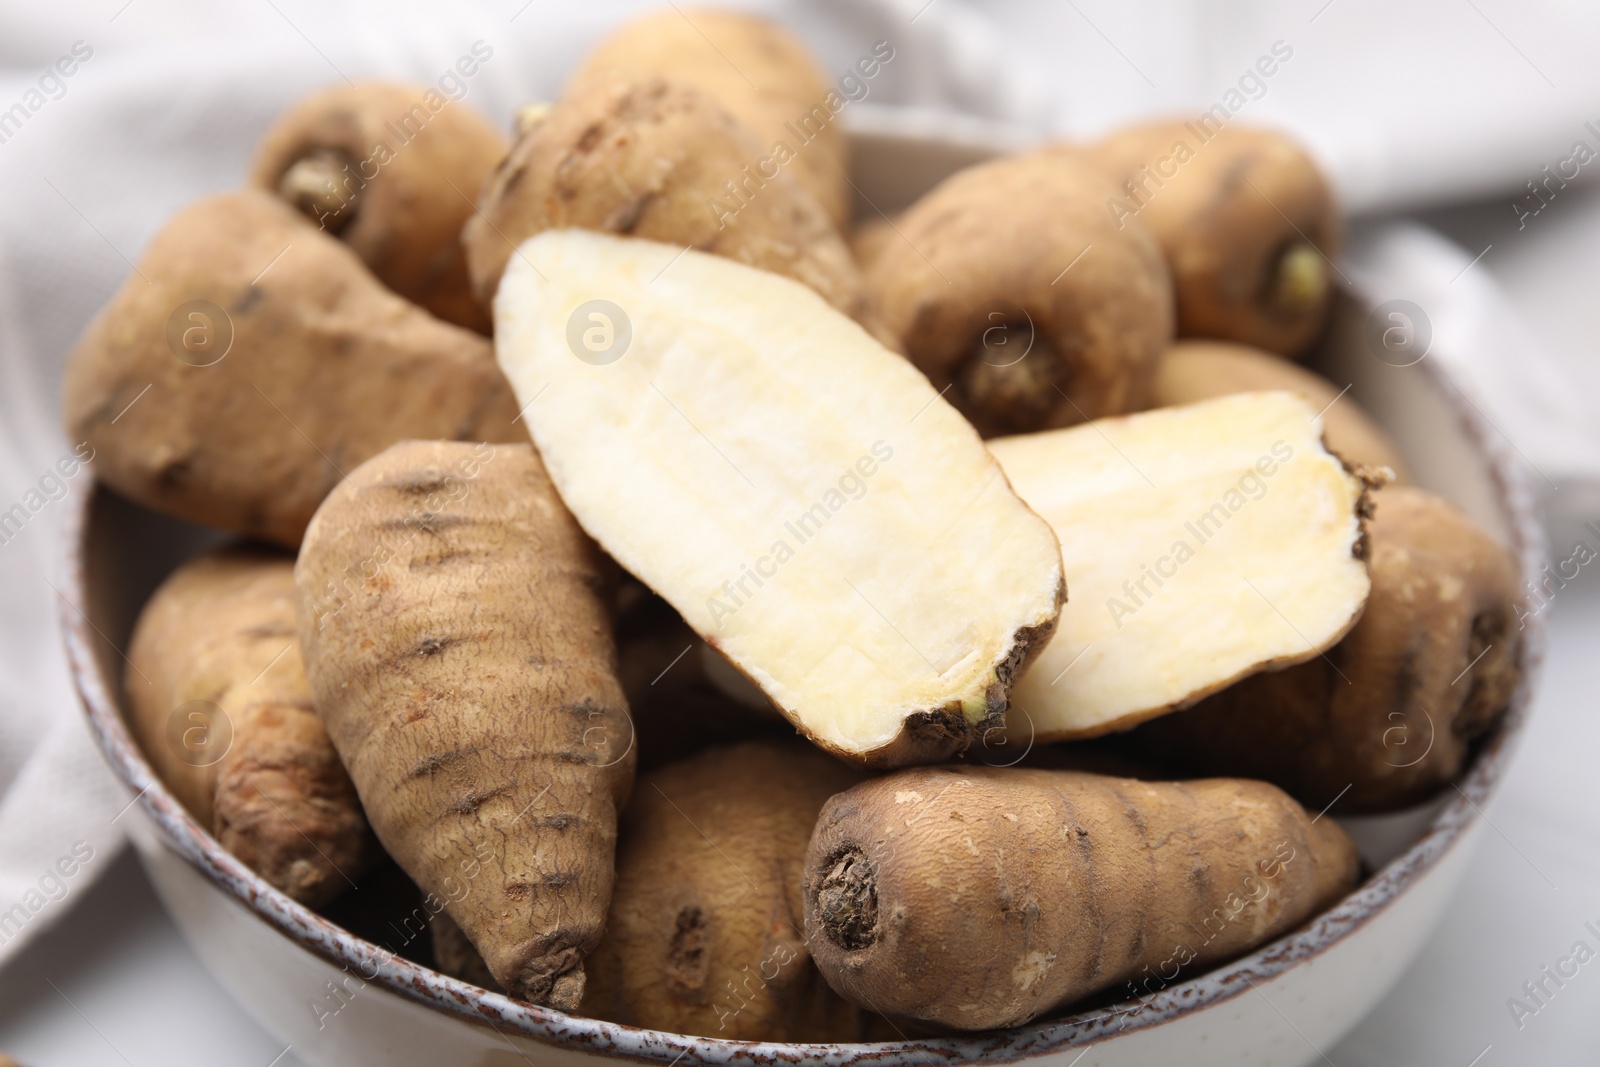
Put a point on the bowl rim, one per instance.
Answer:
(372, 963)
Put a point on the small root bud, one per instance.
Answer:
(316, 186)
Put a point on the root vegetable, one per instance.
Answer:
(218, 700)
(801, 495)
(1247, 222)
(1392, 712)
(1192, 371)
(1201, 544)
(705, 934)
(457, 639)
(662, 161)
(974, 898)
(1010, 282)
(392, 170)
(759, 72)
(252, 359)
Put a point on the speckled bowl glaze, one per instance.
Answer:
(340, 1001)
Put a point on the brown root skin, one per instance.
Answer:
(931, 737)
(1372, 479)
(218, 637)
(705, 934)
(391, 169)
(1392, 712)
(323, 368)
(457, 632)
(1195, 370)
(989, 268)
(650, 159)
(760, 73)
(1247, 222)
(977, 898)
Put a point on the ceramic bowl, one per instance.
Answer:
(341, 1001)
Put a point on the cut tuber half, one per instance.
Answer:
(1202, 543)
(799, 493)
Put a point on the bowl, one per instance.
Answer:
(341, 1001)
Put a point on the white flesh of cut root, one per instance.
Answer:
(1202, 544)
(798, 492)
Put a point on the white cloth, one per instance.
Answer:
(167, 97)
(1409, 103)
(1529, 393)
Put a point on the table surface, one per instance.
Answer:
(115, 983)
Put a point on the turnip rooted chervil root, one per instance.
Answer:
(799, 493)
(1202, 543)
(458, 644)
(980, 897)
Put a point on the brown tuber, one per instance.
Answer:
(976, 898)
(705, 934)
(273, 362)
(1009, 284)
(218, 700)
(1246, 220)
(758, 71)
(649, 159)
(392, 170)
(458, 641)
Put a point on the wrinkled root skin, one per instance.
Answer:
(977, 898)
(457, 630)
(762, 74)
(847, 901)
(705, 934)
(649, 158)
(1002, 397)
(215, 659)
(323, 367)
